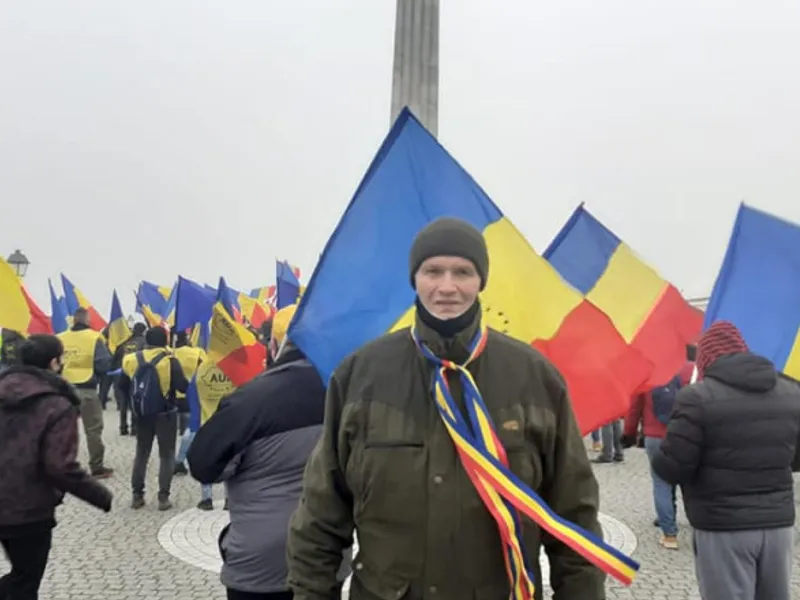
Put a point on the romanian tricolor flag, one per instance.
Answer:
(234, 349)
(40, 322)
(264, 294)
(75, 300)
(15, 312)
(360, 288)
(118, 330)
(758, 287)
(60, 316)
(254, 311)
(649, 312)
(287, 284)
(153, 302)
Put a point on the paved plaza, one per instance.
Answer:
(172, 555)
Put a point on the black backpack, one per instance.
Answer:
(146, 397)
(664, 399)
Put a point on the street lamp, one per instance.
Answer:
(19, 262)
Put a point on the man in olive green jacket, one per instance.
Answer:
(387, 467)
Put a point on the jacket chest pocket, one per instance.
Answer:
(387, 470)
(521, 445)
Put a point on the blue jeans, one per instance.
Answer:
(186, 441)
(596, 436)
(663, 493)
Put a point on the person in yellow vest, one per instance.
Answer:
(190, 358)
(86, 360)
(209, 387)
(152, 377)
(132, 344)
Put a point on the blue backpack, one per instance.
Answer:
(664, 399)
(146, 397)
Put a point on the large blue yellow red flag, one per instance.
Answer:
(649, 312)
(360, 288)
(118, 330)
(758, 287)
(75, 300)
(58, 308)
(233, 348)
(15, 312)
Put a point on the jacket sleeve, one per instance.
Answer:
(59, 452)
(571, 490)
(321, 528)
(102, 358)
(178, 381)
(634, 416)
(681, 449)
(227, 433)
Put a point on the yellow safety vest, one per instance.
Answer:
(130, 364)
(79, 349)
(212, 386)
(190, 358)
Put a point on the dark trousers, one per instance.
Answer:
(124, 408)
(164, 430)
(28, 558)
(105, 387)
(237, 595)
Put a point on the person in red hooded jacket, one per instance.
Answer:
(642, 412)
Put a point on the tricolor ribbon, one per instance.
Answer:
(504, 494)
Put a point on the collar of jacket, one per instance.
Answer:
(80, 327)
(455, 348)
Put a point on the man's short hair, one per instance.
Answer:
(81, 314)
(40, 350)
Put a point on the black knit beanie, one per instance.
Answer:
(156, 336)
(448, 236)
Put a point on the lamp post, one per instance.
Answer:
(19, 262)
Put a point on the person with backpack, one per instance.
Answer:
(133, 344)
(152, 377)
(653, 411)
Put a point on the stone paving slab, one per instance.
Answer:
(131, 554)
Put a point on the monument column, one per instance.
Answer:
(415, 81)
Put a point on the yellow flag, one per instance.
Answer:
(14, 311)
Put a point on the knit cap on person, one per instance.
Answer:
(156, 336)
(721, 339)
(448, 236)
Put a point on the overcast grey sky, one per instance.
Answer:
(146, 139)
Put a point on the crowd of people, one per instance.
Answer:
(386, 450)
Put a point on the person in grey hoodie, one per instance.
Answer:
(258, 443)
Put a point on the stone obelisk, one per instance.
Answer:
(415, 82)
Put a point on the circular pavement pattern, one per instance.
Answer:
(192, 537)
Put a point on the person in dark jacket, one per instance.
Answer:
(731, 444)
(38, 448)
(133, 344)
(258, 443)
(163, 427)
(388, 469)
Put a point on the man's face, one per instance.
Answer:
(447, 286)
